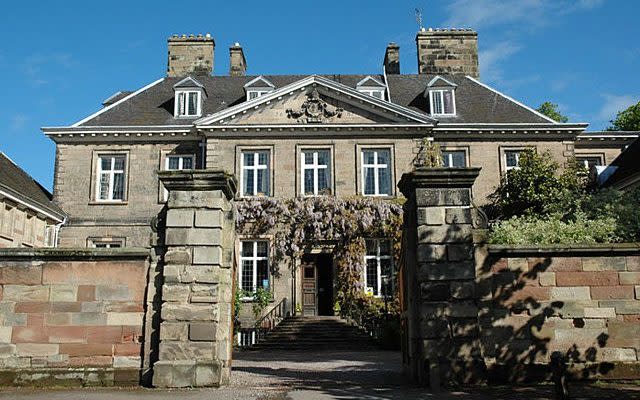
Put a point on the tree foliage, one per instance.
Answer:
(551, 110)
(627, 120)
(535, 188)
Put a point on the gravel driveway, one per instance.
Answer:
(278, 375)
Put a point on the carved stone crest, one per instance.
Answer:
(314, 110)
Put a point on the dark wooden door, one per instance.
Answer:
(309, 289)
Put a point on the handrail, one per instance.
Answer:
(271, 319)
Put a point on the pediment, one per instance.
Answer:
(439, 81)
(312, 101)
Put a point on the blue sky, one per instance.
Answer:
(59, 60)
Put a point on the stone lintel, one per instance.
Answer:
(199, 180)
(437, 178)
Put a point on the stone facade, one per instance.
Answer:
(448, 51)
(21, 227)
(128, 222)
(72, 316)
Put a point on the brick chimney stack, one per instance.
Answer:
(448, 51)
(237, 62)
(190, 55)
(392, 59)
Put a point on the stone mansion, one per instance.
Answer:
(286, 136)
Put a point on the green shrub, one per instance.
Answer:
(552, 229)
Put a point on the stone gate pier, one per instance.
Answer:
(439, 298)
(197, 291)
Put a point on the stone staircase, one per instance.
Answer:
(316, 333)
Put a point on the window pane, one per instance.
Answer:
(193, 98)
(187, 163)
(104, 186)
(369, 183)
(118, 186)
(248, 182)
(262, 249)
(263, 158)
(383, 156)
(448, 101)
(385, 247)
(253, 95)
(384, 181)
(437, 102)
(247, 276)
(247, 249)
(459, 159)
(308, 181)
(372, 247)
(323, 157)
(372, 275)
(247, 158)
(174, 163)
(263, 274)
(263, 182)
(368, 157)
(308, 157)
(105, 163)
(377, 94)
(119, 163)
(512, 158)
(323, 180)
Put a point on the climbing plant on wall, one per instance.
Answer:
(300, 223)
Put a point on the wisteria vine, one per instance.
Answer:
(300, 223)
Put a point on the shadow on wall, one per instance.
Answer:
(509, 317)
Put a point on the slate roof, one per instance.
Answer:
(475, 103)
(16, 181)
(626, 165)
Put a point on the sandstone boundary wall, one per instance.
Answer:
(72, 316)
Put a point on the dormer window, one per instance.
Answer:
(189, 95)
(372, 87)
(188, 104)
(258, 87)
(442, 97)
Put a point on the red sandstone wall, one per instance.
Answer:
(584, 304)
(85, 313)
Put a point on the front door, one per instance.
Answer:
(317, 285)
(309, 287)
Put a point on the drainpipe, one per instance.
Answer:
(386, 82)
(56, 232)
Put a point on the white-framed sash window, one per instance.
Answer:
(188, 103)
(376, 172)
(511, 159)
(175, 162)
(454, 158)
(315, 172)
(442, 101)
(255, 173)
(111, 177)
(378, 266)
(254, 265)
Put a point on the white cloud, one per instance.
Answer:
(614, 104)
(491, 59)
(35, 65)
(479, 14)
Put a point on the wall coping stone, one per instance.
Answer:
(200, 180)
(576, 249)
(437, 178)
(64, 254)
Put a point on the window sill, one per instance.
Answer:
(108, 203)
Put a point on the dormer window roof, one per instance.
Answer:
(189, 95)
(257, 87)
(372, 87)
(441, 93)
